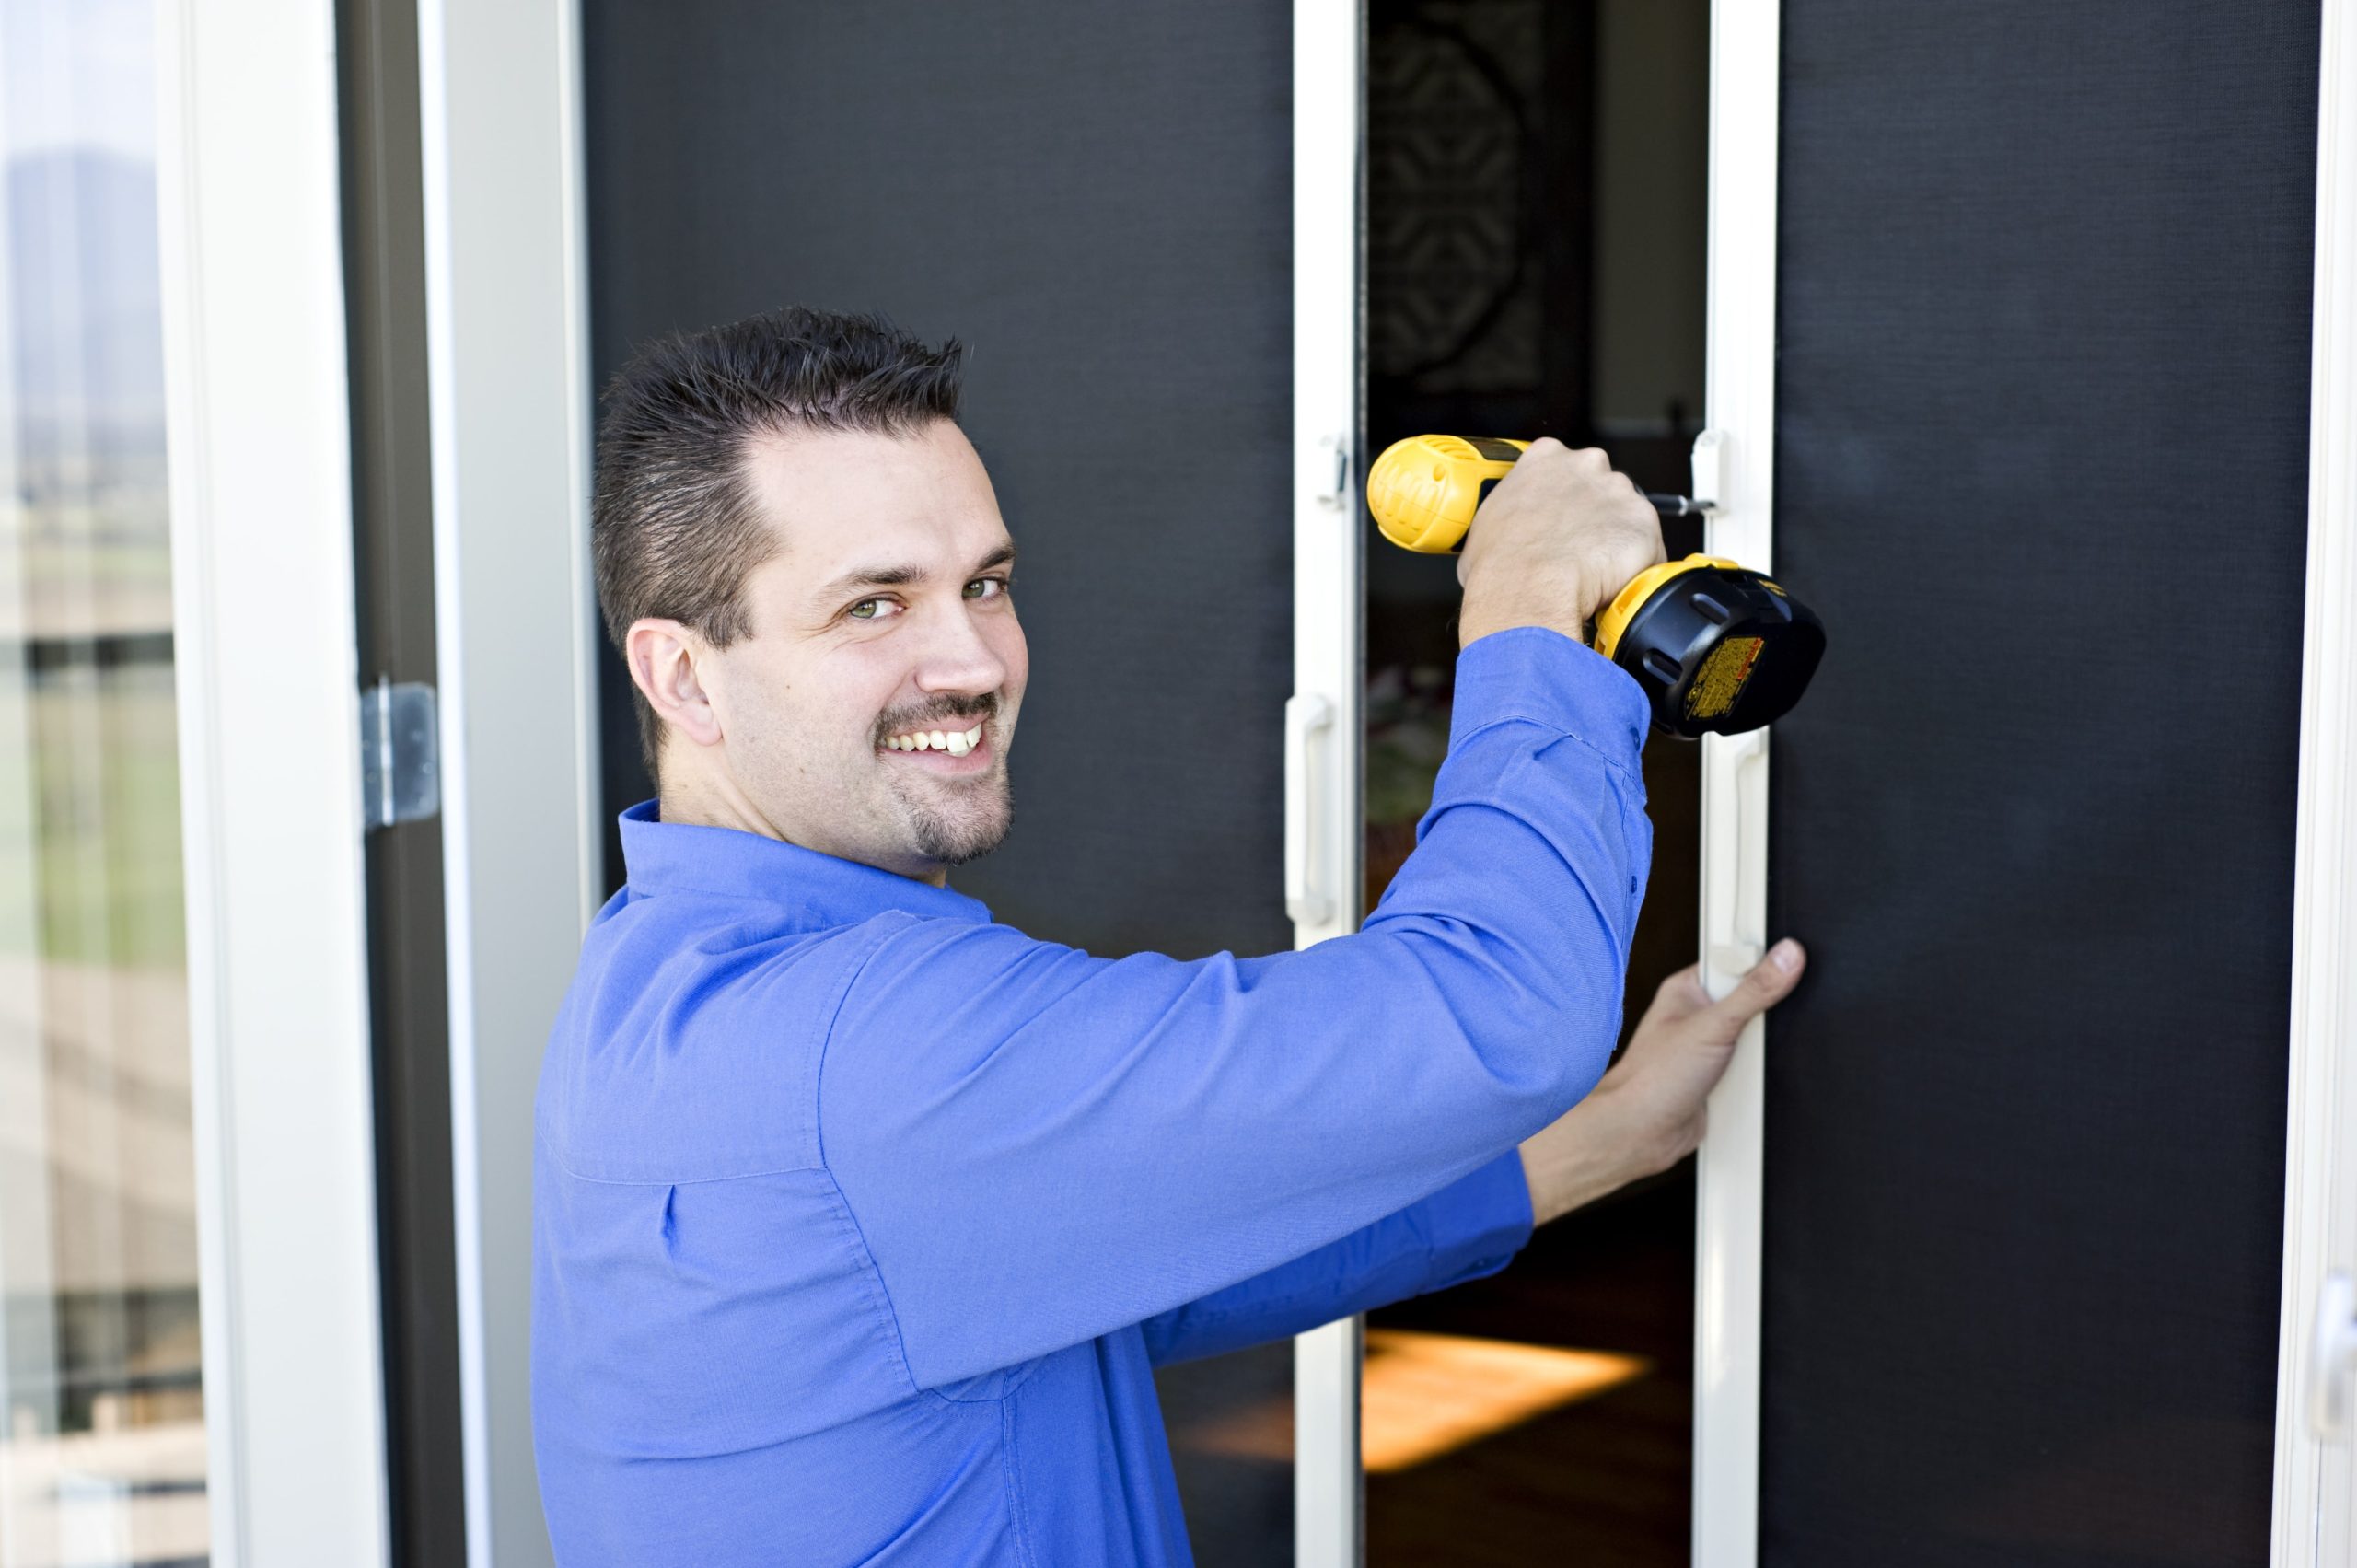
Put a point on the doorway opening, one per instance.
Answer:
(1535, 248)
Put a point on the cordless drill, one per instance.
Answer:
(1718, 648)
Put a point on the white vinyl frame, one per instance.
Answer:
(515, 629)
(1740, 406)
(266, 668)
(2316, 1479)
(1322, 832)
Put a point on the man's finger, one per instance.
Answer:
(1769, 982)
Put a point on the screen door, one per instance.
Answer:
(2041, 461)
(1097, 201)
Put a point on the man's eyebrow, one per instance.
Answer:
(872, 577)
(904, 576)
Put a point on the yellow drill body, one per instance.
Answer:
(1717, 647)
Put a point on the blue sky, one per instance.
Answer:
(77, 73)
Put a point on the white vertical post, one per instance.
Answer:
(507, 384)
(2315, 1476)
(1740, 406)
(1322, 762)
(266, 664)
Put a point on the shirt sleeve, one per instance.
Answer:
(1465, 1231)
(1038, 1147)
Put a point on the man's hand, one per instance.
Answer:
(1555, 540)
(1647, 1113)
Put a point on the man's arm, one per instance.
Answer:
(1038, 1146)
(1642, 1118)
(1467, 1229)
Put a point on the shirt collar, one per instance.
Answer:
(676, 857)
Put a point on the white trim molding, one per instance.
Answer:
(2315, 1476)
(1740, 410)
(266, 666)
(510, 402)
(1323, 851)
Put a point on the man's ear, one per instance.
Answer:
(662, 656)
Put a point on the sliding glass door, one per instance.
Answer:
(102, 1441)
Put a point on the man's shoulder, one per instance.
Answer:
(687, 1046)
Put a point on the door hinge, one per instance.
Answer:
(1331, 472)
(401, 762)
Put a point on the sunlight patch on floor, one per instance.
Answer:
(1425, 1395)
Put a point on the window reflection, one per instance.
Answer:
(103, 1451)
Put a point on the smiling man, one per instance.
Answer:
(860, 1221)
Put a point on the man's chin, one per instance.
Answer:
(961, 847)
(956, 831)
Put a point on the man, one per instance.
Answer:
(860, 1222)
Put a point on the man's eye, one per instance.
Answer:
(986, 587)
(873, 610)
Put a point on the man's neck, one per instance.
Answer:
(697, 803)
(701, 803)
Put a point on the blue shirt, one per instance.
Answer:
(860, 1222)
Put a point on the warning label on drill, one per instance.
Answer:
(1721, 679)
(1494, 450)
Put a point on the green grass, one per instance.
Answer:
(89, 818)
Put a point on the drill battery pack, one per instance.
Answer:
(1718, 648)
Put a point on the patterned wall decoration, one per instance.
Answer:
(1452, 167)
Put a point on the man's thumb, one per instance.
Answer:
(1769, 982)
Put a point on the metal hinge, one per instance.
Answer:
(400, 763)
(1331, 472)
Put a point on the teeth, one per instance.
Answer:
(957, 742)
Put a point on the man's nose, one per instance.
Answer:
(958, 657)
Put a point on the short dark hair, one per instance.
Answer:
(675, 527)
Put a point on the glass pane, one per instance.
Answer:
(102, 1409)
(1535, 262)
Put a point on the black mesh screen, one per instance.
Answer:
(2042, 407)
(1097, 199)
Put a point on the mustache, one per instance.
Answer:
(926, 715)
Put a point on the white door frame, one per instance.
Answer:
(516, 629)
(1323, 840)
(1740, 406)
(266, 667)
(2315, 1480)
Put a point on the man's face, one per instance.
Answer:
(883, 621)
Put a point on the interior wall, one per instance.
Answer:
(1653, 123)
(2042, 405)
